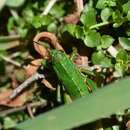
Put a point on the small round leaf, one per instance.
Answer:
(14, 3)
(99, 58)
(125, 42)
(92, 38)
(105, 14)
(106, 41)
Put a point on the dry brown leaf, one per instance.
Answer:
(81, 60)
(18, 101)
(128, 125)
(32, 67)
(48, 84)
(72, 18)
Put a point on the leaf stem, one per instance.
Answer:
(99, 25)
(14, 13)
(16, 109)
(7, 59)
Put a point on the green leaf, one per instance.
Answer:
(122, 56)
(99, 58)
(125, 42)
(45, 20)
(88, 18)
(116, 99)
(111, 3)
(36, 22)
(14, 3)
(128, 31)
(8, 122)
(75, 30)
(126, 7)
(39, 21)
(128, 15)
(91, 84)
(52, 27)
(10, 24)
(92, 38)
(105, 14)
(101, 4)
(120, 69)
(106, 41)
(118, 19)
(22, 32)
(20, 22)
(28, 14)
(58, 10)
(122, 59)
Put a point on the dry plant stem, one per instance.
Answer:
(14, 13)
(15, 55)
(30, 111)
(48, 85)
(79, 6)
(91, 68)
(49, 6)
(112, 51)
(9, 38)
(25, 84)
(99, 125)
(53, 40)
(99, 25)
(16, 109)
(12, 61)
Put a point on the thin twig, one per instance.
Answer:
(48, 84)
(11, 61)
(14, 13)
(79, 6)
(91, 68)
(12, 110)
(99, 125)
(30, 111)
(9, 38)
(49, 6)
(25, 84)
(15, 55)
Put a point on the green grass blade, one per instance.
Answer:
(101, 103)
(9, 38)
(9, 45)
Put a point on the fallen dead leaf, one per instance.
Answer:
(72, 18)
(18, 101)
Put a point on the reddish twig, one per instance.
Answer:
(16, 109)
(53, 40)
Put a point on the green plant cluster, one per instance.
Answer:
(105, 23)
(32, 18)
